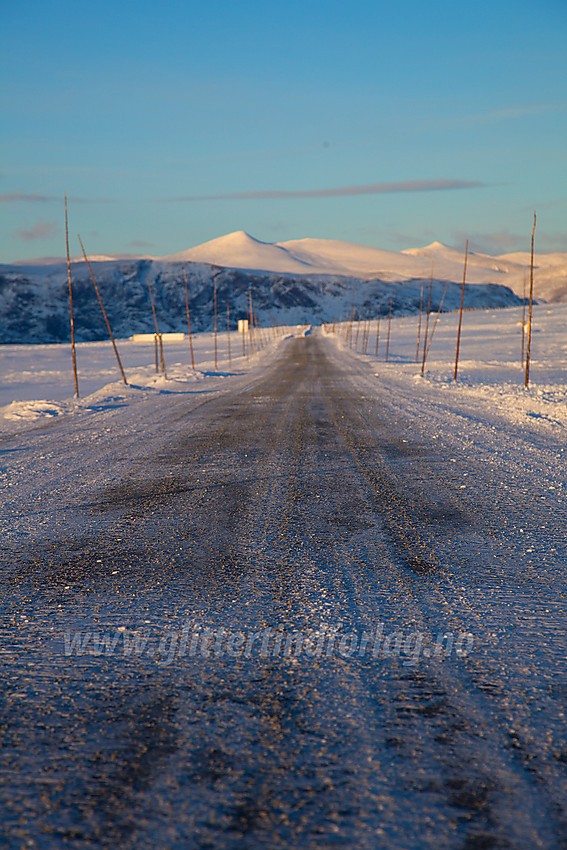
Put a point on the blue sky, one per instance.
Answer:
(392, 125)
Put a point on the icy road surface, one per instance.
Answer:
(285, 614)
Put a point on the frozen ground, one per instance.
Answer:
(489, 392)
(36, 381)
(309, 491)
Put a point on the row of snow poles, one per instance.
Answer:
(256, 337)
(526, 326)
(73, 347)
(255, 333)
(359, 325)
(249, 326)
(362, 322)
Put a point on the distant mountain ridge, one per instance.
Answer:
(328, 256)
(34, 302)
(240, 250)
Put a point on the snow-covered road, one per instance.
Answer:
(303, 609)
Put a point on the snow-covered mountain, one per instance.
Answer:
(302, 280)
(326, 256)
(34, 304)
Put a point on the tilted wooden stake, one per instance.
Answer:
(524, 320)
(188, 319)
(251, 324)
(461, 313)
(427, 324)
(389, 328)
(103, 312)
(228, 332)
(419, 325)
(163, 369)
(215, 312)
(348, 337)
(529, 341)
(76, 378)
(366, 333)
(378, 327)
(436, 319)
(357, 332)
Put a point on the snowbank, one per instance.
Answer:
(490, 382)
(37, 380)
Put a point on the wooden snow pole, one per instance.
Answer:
(73, 350)
(215, 314)
(524, 320)
(103, 311)
(251, 323)
(357, 332)
(188, 319)
(436, 319)
(366, 333)
(461, 313)
(162, 359)
(389, 329)
(427, 324)
(228, 332)
(378, 327)
(529, 340)
(349, 328)
(419, 324)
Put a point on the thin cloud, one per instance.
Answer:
(19, 197)
(41, 230)
(342, 191)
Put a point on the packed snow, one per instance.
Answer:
(37, 380)
(472, 744)
(490, 382)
